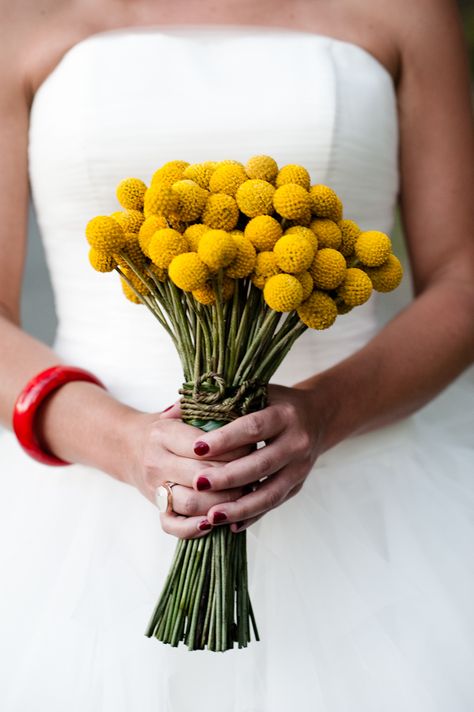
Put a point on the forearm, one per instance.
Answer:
(80, 422)
(411, 360)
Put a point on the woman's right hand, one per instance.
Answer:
(161, 447)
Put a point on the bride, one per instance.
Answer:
(360, 540)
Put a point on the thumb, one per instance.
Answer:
(173, 411)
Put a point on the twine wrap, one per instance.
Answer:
(209, 398)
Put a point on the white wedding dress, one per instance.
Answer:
(362, 584)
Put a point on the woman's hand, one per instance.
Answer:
(162, 450)
(291, 427)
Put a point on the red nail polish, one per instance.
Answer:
(201, 448)
(205, 525)
(202, 483)
(167, 409)
(219, 517)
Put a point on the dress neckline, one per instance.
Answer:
(131, 29)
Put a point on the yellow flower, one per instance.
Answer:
(132, 250)
(283, 292)
(245, 259)
(148, 229)
(255, 197)
(100, 261)
(306, 282)
(221, 212)
(356, 287)
(328, 268)
(343, 308)
(325, 203)
(129, 220)
(139, 285)
(188, 271)
(129, 293)
(327, 232)
(166, 244)
(160, 273)
(294, 253)
(192, 199)
(319, 311)
(386, 277)
(130, 193)
(350, 231)
(293, 174)
(217, 249)
(208, 295)
(227, 178)
(261, 168)
(304, 220)
(105, 234)
(200, 173)
(169, 173)
(229, 162)
(263, 232)
(265, 267)
(291, 201)
(193, 234)
(160, 199)
(372, 248)
(304, 232)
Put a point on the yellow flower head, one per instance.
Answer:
(343, 308)
(217, 249)
(325, 203)
(166, 244)
(262, 168)
(263, 232)
(200, 173)
(386, 277)
(304, 232)
(306, 282)
(130, 220)
(169, 173)
(294, 253)
(132, 250)
(303, 221)
(283, 292)
(293, 174)
(221, 212)
(356, 287)
(160, 199)
(350, 231)
(265, 267)
(130, 193)
(140, 286)
(291, 201)
(129, 293)
(103, 233)
(229, 162)
(100, 261)
(327, 232)
(148, 229)
(192, 199)
(372, 248)
(244, 261)
(319, 311)
(159, 273)
(328, 268)
(227, 178)
(193, 234)
(255, 197)
(207, 294)
(188, 271)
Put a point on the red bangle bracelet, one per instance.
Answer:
(31, 398)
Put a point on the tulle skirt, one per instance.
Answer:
(362, 585)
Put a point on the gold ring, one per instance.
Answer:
(164, 497)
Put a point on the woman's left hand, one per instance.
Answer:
(291, 428)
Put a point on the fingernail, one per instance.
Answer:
(204, 525)
(219, 517)
(202, 483)
(167, 409)
(201, 448)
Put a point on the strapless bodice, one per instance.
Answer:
(122, 102)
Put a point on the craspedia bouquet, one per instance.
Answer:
(235, 262)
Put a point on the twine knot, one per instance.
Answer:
(209, 398)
